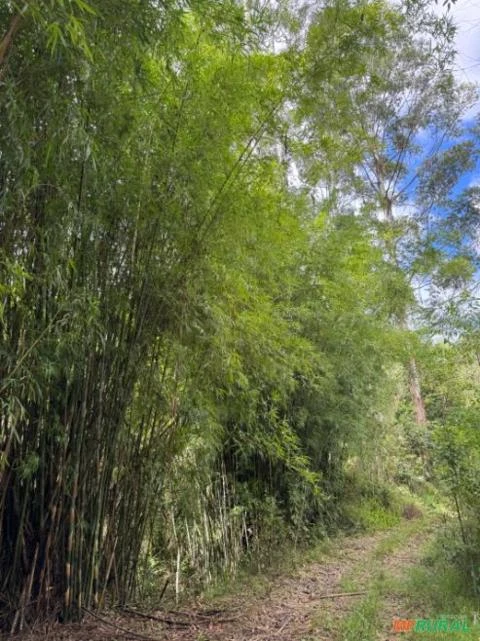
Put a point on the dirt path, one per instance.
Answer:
(296, 607)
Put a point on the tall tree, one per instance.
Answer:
(391, 147)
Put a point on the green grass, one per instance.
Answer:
(375, 509)
(354, 580)
(362, 623)
(435, 591)
(372, 516)
(436, 588)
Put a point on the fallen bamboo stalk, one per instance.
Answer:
(151, 617)
(340, 594)
(192, 615)
(120, 628)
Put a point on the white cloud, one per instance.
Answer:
(466, 16)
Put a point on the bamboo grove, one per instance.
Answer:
(203, 306)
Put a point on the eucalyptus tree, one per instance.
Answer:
(383, 110)
(454, 286)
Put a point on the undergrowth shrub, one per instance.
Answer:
(369, 506)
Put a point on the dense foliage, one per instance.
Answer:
(213, 218)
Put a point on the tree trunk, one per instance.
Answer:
(7, 39)
(416, 393)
